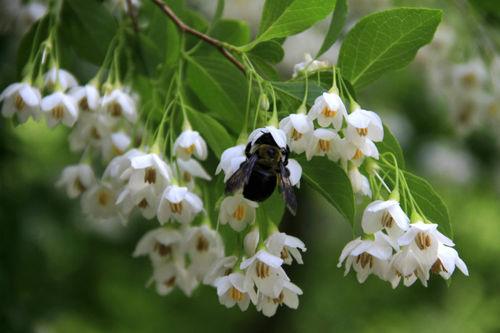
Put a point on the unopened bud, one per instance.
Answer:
(264, 102)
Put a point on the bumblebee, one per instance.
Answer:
(263, 169)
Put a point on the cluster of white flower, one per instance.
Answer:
(395, 249)
(342, 137)
(471, 88)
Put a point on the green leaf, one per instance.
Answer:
(89, 28)
(220, 87)
(331, 181)
(338, 20)
(270, 50)
(282, 18)
(385, 41)
(391, 145)
(292, 92)
(430, 202)
(235, 32)
(273, 208)
(211, 130)
(28, 40)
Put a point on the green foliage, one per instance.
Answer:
(391, 145)
(220, 87)
(270, 50)
(385, 41)
(331, 181)
(338, 20)
(88, 23)
(271, 211)
(282, 18)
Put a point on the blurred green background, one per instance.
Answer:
(61, 273)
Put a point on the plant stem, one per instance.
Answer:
(219, 45)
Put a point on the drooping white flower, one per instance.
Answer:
(289, 296)
(447, 260)
(359, 182)
(161, 245)
(386, 215)
(59, 107)
(363, 129)
(118, 103)
(59, 78)
(309, 65)
(144, 197)
(251, 241)
(265, 272)
(92, 129)
(423, 239)
(21, 99)
(190, 143)
(120, 165)
(231, 160)
(76, 179)
(367, 256)
(286, 247)
(180, 204)
(98, 202)
(324, 142)
(328, 109)
(115, 145)
(221, 267)
(190, 169)
(87, 97)
(297, 128)
(278, 135)
(237, 211)
(406, 265)
(148, 170)
(232, 290)
(204, 246)
(295, 172)
(168, 276)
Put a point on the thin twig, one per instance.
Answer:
(207, 39)
(133, 15)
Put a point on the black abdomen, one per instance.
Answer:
(260, 185)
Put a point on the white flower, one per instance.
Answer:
(447, 260)
(87, 97)
(168, 276)
(367, 256)
(148, 170)
(59, 107)
(160, 245)
(359, 182)
(423, 239)
(120, 165)
(232, 290)
(119, 103)
(21, 99)
(298, 128)
(407, 265)
(264, 271)
(221, 267)
(324, 142)
(328, 109)
(59, 78)
(231, 160)
(251, 241)
(77, 179)
(204, 246)
(99, 202)
(386, 215)
(91, 129)
(285, 246)
(288, 296)
(363, 129)
(190, 169)
(470, 76)
(309, 65)
(115, 145)
(144, 197)
(190, 143)
(179, 204)
(278, 136)
(237, 211)
(295, 172)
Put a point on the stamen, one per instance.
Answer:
(162, 250)
(362, 131)
(279, 299)
(84, 104)
(469, 80)
(438, 267)
(357, 155)
(170, 282)
(189, 150)
(150, 175)
(115, 109)
(58, 112)
(235, 294)
(296, 135)
(19, 103)
(202, 244)
(423, 240)
(262, 270)
(284, 253)
(239, 213)
(186, 176)
(327, 112)
(79, 186)
(143, 204)
(103, 198)
(324, 145)
(365, 259)
(176, 208)
(387, 220)
(94, 133)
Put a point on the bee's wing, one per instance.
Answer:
(241, 176)
(286, 189)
